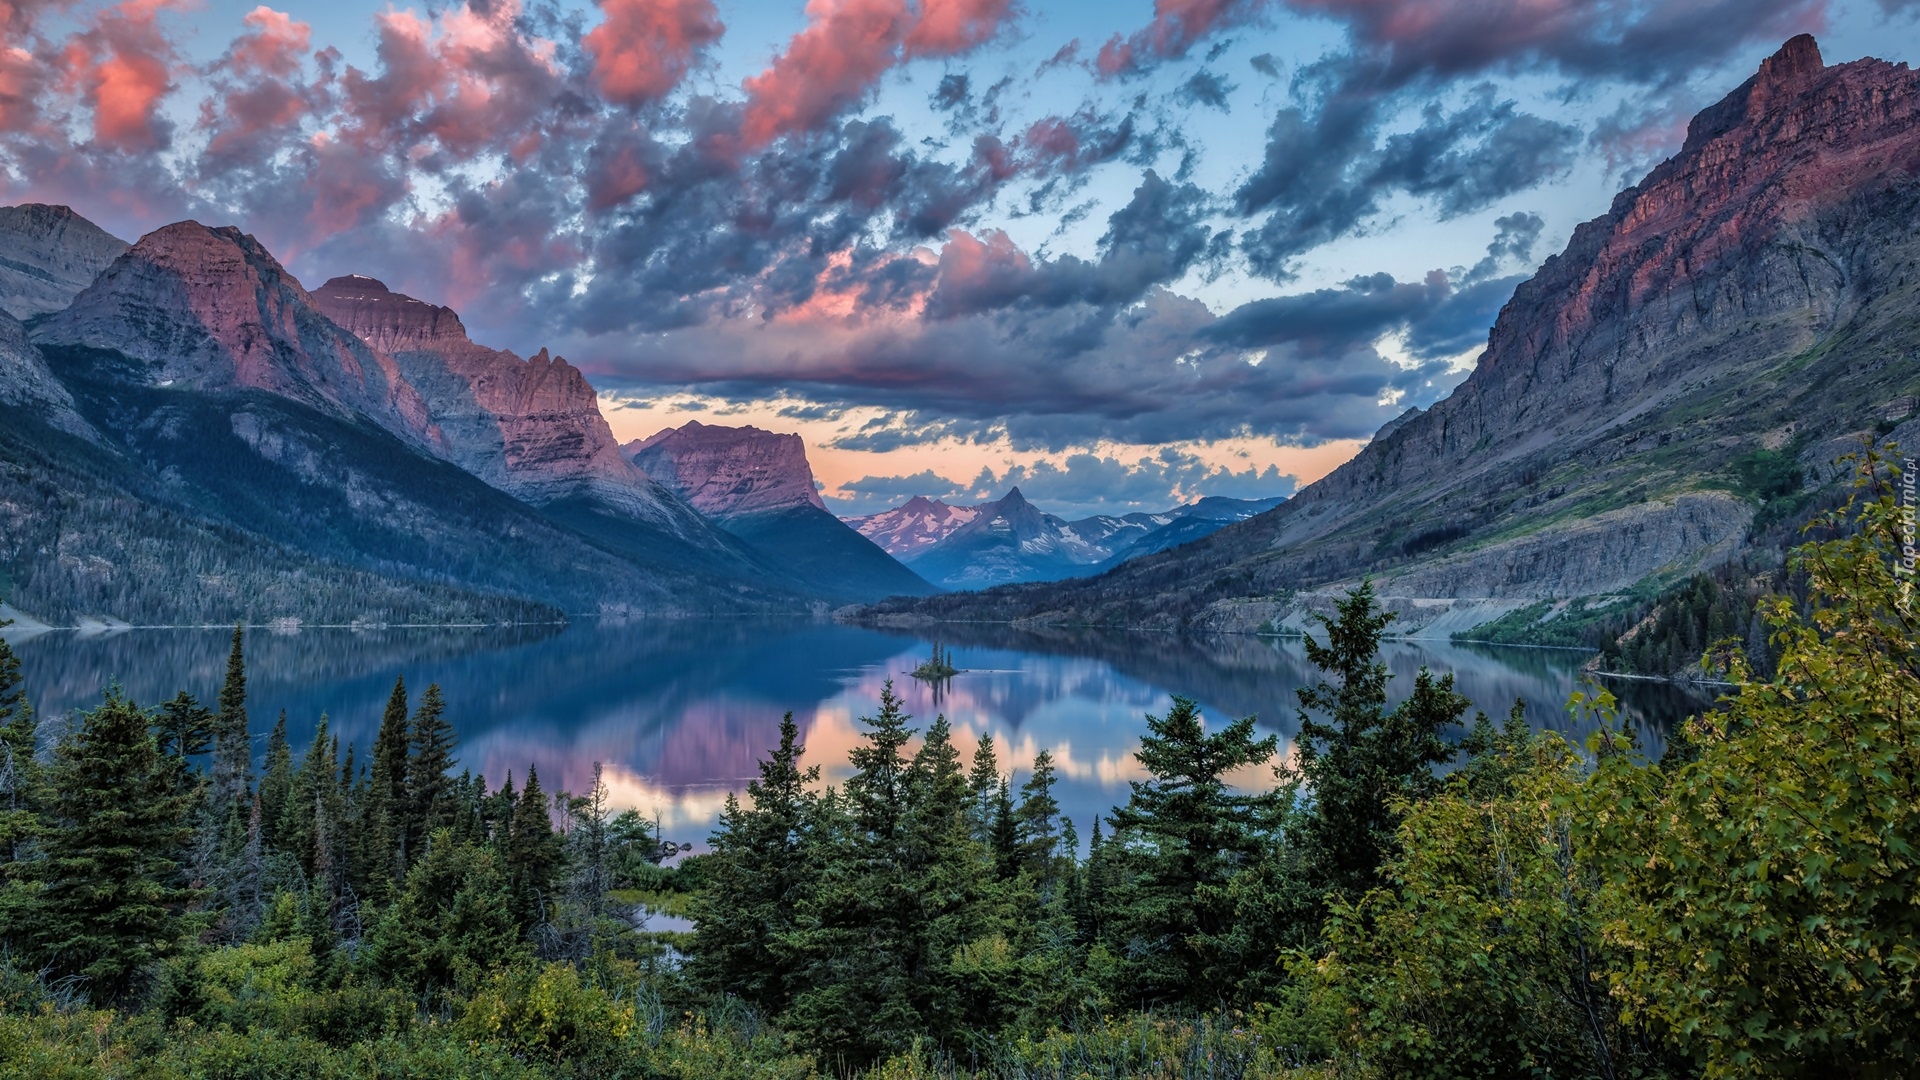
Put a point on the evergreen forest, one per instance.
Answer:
(1422, 891)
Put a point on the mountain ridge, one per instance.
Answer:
(1745, 296)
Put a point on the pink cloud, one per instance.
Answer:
(1177, 25)
(831, 64)
(261, 107)
(847, 45)
(645, 47)
(275, 45)
(121, 67)
(951, 27)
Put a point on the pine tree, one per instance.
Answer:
(983, 783)
(20, 770)
(232, 749)
(102, 904)
(759, 875)
(1004, 844)
(387, 802)
(533, 854)
(276, 784)
(430, 789)
(877, 789)
(1366, 757)
(1182, 837)
(1039, 835)
(184, 727)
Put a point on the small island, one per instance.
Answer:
(936, 667)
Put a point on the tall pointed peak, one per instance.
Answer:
(1013, 498)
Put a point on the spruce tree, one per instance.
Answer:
(430, 790)
(102, 903)
(1181, 839)
(20, 771)
(1364, 758)
(276, 784)
(387, 798)
(533, 854)
(983, 783)
(1036, 820)
(232, 750)
(758, 876)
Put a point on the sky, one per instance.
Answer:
(1121, 253)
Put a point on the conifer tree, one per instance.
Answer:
(1004, 845)
(1035, 819)
(1182, 837)
(276, 784)
(183, 729)
(102, 902)
(387, 802)
(232, 749)
(983, 785)
(877, 790)
(533, 854)
(1363, 757)
(758, 874)
(20, 771)
(429, 788)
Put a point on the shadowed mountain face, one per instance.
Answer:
(47, 255)
(758, 486)
(1759, 290)
(197, 441)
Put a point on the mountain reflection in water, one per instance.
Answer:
(680, 711)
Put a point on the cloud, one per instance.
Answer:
(645, 47)
(834, 63)
(1655, 43)
(1206, 88)
(1327, 169)
(1079, 485)
(1177, 26)
(122, 66)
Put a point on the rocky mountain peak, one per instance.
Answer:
(51, 253)
(212, 309)
(531, 427)
(386, 319)
(729, 471)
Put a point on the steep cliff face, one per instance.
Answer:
(48, 254)
(730, 471)
(532, 427)
(758, 486)
(1758, 290)
(211, 309)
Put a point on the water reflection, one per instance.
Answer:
(681, 711)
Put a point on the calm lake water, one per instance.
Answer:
(679, 712)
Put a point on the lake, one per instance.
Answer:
(680, 711)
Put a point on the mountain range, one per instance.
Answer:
(1011, 540)
(188, 435)
(1750, 308)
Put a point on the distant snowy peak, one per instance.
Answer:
(914, 527)
(1011, 539)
